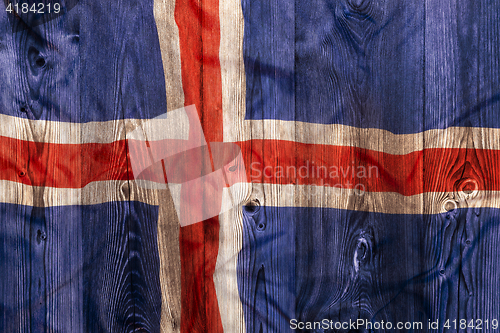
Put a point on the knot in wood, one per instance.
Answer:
(261, 226)
(125, 189)
(252, 207)
(358, 4)
(40, 236)
(467, 187)
(359, 10)
(450, 205)
(362, 252)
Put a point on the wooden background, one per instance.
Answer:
(120, 263)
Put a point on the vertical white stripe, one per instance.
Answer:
(168, 224)
(168, 34)
(233, 110)
(232, 70)
(225, 275)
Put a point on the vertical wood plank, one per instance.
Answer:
(233, 83)
(170, 265)
(122, 290)
(440, 24)
(265, 278)
(481, 265)
(15, 302)
(168, 35)
(168, 224)
(199, 33)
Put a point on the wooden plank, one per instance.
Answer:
(199, 33)
(15, 287)
(480, 265)
(55, 255)
(168, 35)
(168, 224)
(122, 266)
(265, 277)
(170, 265)
(441, 108)
(233, 111)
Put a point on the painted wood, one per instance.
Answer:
(199, 42)
(405, 67)
(76, 264)
(124, 264)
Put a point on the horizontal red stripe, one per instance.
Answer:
(430, 170)
(267, 161)
(62, 165)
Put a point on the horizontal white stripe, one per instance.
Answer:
(266, 194)
(94, 132)
(379, 202)
(367, 138)
(160, 128)
(92, 194)
(172, 125)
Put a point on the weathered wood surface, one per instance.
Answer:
(199, 35)
(121, 265)
(71, 263)
(401, 66)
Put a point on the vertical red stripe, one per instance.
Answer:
(199, 34)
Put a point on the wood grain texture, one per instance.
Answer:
(122, 266)
(170, 265)
(168, 35)
(76, 260)
(391, 76)
(479, 265)
(199, 33)
(168, 224)
(233, 112)
(226, 273)
(15, 289)
(393, 65)
(54, 242)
